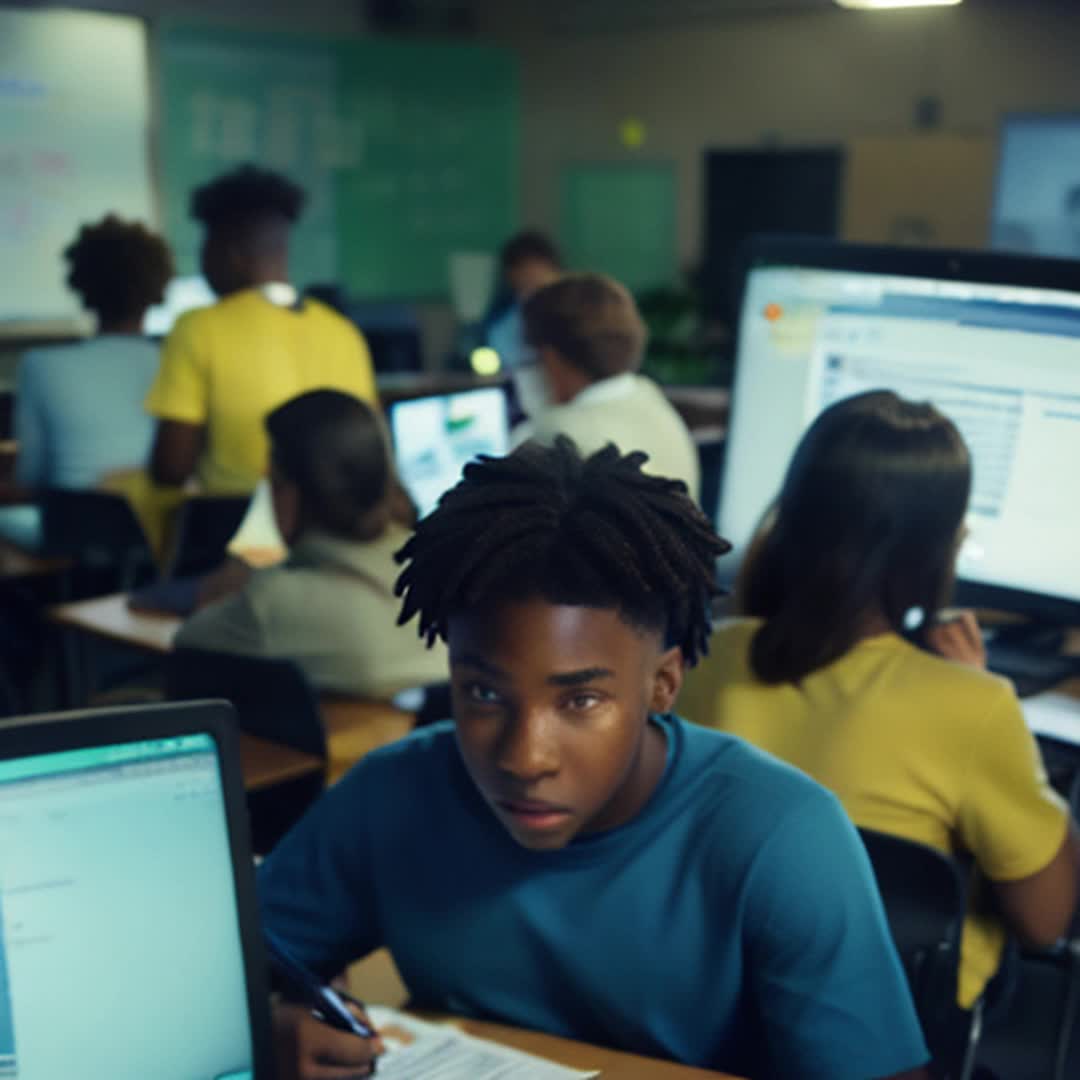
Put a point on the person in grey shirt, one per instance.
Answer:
(331, 605)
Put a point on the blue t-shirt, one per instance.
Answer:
(79, 410)
(733, 924)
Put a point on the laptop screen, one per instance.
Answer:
(120, 948)
(436, 437)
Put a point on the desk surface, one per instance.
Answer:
(110, 617)
(266, 763)
(612, 1064)
(16, 563)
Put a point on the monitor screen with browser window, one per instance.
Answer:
(994, 342)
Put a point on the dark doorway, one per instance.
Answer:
(763, 191)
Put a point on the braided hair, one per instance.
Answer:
(587, 532)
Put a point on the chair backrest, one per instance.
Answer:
(273, 699)
(925, 898)
(95, 529)
(204, 526)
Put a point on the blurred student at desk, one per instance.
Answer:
(589, 339)
(568, 856)
(331, 605)
(528, 262)
(225, 367)
(79, 408)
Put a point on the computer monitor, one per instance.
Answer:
(993, 341)
(1037, 198)
(436, 437)
(182, 294)
(129, 940)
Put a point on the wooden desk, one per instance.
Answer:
(16, 563)
(612, 1064)
(353, 727)
(110, 617)
(266, 763)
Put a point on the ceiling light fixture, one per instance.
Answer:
(882, 5)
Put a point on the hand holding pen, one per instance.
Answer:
(328, 1037)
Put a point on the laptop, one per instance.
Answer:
(129, 936)
(436, 437)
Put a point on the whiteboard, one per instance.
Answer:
(74, 145)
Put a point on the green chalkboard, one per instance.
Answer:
(408, 149)
(620, 219)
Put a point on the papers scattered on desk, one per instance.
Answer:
(1054, 716)
(416, 1050)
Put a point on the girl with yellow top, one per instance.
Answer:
(917, 740)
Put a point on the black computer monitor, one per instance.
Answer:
(1037, 194)
(993, 340)
(129, 935)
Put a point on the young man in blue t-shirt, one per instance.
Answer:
(570, 856)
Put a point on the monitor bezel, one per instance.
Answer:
(944, 264)
(48, 733)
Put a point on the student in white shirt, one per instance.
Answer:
(589, 340)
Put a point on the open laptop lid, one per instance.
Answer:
(436, 437)
(129, 940)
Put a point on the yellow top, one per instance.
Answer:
(228, 365)
(913, 745)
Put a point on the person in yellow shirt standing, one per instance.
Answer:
(225, 367)
(915, 739)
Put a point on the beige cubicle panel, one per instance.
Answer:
(922, 190)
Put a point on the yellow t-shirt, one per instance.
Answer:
(913, 745)
(228, 365)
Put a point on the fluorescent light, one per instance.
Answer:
(881, 5)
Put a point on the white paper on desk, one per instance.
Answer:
(1056, 716)
(416, 1050)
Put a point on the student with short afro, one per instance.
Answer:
(225, 367)
(79, 408)
(568, 856)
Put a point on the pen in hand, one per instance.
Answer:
(323, 1000)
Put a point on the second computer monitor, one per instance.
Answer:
(436, 437)
(993, 341)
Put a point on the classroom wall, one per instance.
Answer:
(437, 321)
(797, 78)
(342, 15)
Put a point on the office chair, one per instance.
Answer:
(273, 700)
(204, 526)
(925, 900)
(1039, 1036)
(99, 532)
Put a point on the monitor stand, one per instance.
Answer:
(1030, 655)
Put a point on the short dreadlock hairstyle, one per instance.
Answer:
(588, 532)
(118, 268)
(247, 195)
